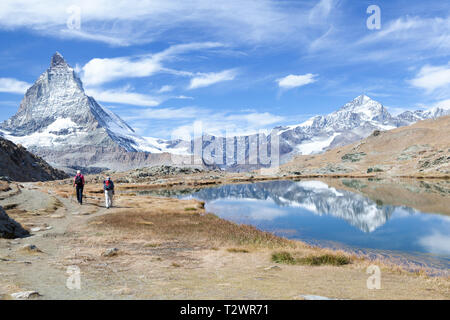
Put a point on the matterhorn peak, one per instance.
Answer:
(57, 60)
(56, 115)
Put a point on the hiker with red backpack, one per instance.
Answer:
(78, 183)
(108, 186)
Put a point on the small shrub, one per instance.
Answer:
(374, 169)
(312, 260)
(283, 257)
(151, 245)
(237, 250)
(335, 260)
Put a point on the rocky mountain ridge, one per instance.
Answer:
(17, 164)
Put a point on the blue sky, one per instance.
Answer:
(235, 65)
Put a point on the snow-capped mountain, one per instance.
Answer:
(56, 112)
(56, 118)
(354, 121)
(432, 113)
(59, 122)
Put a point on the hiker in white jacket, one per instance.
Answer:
(108, 187)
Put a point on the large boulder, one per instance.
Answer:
(10, 229)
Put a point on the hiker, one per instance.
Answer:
(78, 183)
(108, 186)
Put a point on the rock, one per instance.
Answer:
(30, 248)
(25, 295)
(272, 268)
(35, 229)
(9, 228)
(57, 216)
(353, 157)
(110, 252)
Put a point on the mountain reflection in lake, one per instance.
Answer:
(314, 212)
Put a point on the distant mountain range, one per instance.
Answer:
(352, 122)
(58, 121)
(421, 149)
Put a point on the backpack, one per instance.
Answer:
(78, 181)
(108, 185)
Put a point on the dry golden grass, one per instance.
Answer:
(207, 229)
(173, 219)
(53, 205)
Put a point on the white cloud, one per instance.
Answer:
(131, 22)
(431, 78)
(79, 34)
(415, 37)
(207, 79)
(293, 81)
(98, 71)
(182, 97)
(320, 11)
(165, 88)
(256, 119)
(123, 96)
(165, 113)
(213, 122)
(410, 29)
(12, 85)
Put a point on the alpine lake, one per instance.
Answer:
(407, 221)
